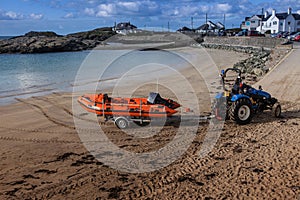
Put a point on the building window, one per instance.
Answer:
(253, 22)
(289, 23)
(298, 23)
(281, 24)
(275, 23)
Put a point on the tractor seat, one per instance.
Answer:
(235, 89)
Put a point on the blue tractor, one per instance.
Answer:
(239, 102)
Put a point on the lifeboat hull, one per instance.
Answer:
(103, 105)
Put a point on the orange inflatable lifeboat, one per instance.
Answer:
(134, 108)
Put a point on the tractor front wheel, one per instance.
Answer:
(276, 110)
(241, 111)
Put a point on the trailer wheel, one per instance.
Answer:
(122, 123)
(241, 111)
(276, 110)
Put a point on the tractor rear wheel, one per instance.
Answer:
(241, 111)
(276, 110)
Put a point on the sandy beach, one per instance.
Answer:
(42, 156)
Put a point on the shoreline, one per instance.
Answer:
(44, 90)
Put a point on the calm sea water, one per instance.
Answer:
(26, 75)
(22, 75)
(5, 37)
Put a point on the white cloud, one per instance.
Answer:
(132, 6)
(298, 11)
(10, 15)
(124, 8)
(105, 10)
(91, 1)
(69, 15)
(102, 13)
(36, 16)
(89, 11)
(184, 11)
(204, 8)
(176, 12)
(223, 7)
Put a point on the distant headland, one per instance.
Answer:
(48, 41)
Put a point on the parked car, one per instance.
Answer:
(288, 34)
(241, 33)
(274, 35)
(292, 37)
(280, 34)
(297, 38)
(255, 33)
(285, 34)
(222, 33)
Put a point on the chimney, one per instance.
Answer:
(289, 11)
(266, 14)
(273, 12)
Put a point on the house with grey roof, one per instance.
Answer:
(124, 28)
(277, 22)
(185, 30)
(210, 27)
(274, 22)
(251, 23)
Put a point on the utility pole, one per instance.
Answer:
(206, 27)
(192, 23)
(224, 21)
(168, 26)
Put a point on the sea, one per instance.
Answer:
(5, 37)
(27, 75)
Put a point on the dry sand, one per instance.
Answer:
(42, 156)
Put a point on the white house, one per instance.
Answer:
(274, 22)
(210, 27)
(251, 23)
(280, 22)
(124, 28)
(220, 26)
(293, 23)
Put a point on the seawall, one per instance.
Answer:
(253, 42)
(265, 52)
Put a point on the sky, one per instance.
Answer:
(18, 17)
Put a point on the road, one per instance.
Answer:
(283, 81)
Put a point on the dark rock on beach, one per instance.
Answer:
(42, 42)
